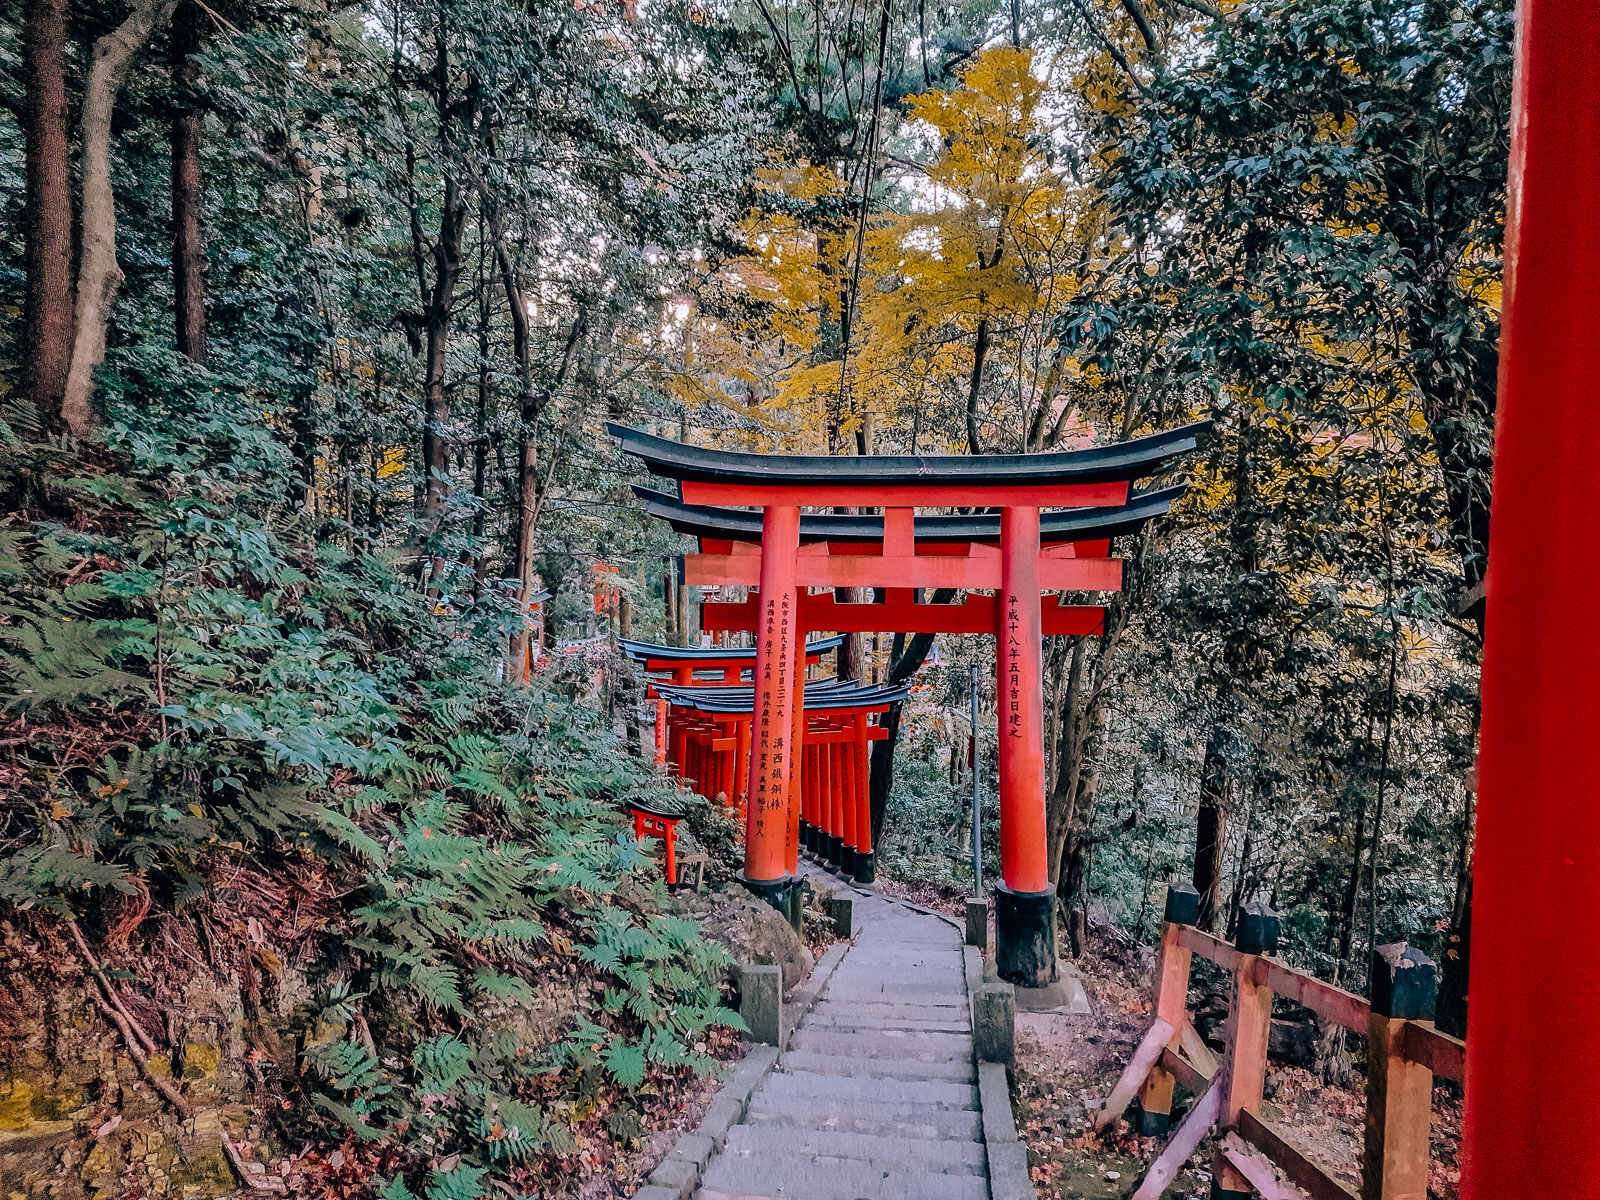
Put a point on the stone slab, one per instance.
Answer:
(881, 1068)
(891, 1153)
(1064, 997)
(840, 1023)
(807, 1084)
(677, 1176)
(888, 1043)
(794, 1177)
(1008, 1172)
(897, 1120)
(995, 1092)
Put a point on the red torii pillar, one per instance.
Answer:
(1533, 1110)
(1024, 904)
(772, 721)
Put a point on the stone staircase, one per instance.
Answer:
(876, 1096)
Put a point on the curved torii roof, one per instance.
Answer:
(1068, 525)
(823, 696)
(1118, 462)
(641, 651)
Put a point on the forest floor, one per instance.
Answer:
(1066, 1064)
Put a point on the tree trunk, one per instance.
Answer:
(905, 660)
(436, 412)
(48, 231)
(1211, 831)
(980, 352)
(1451, 1011)
(188, 243)
(99, 276)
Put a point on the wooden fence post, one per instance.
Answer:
(1249, 1030)
(1395, 1154)
(1171, 1004)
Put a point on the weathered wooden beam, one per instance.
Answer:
(1208, 947)
(1395, 1153)
(1191, 1077)
(1145, 1056)
(1290, 1159)
(1332, 1004)
(1442, 1054)
(1191, 1132)
(1257, 1170)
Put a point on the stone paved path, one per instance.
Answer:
(876, 1096)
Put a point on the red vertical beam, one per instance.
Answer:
(1022, 820)
(741, 765)
(835, 820)
(661, 731)
(865, 864)
(766, 847)
(797, 744)
(1025, 950)
(727, 765)
(1532, 1113)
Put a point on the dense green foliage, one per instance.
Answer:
(196, 685)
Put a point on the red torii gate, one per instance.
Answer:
(832, 818)
(1018, 570)
(688, 666)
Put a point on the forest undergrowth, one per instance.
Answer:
(241, 745)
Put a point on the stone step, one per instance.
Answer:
(888, 1152)
(797, 1177)
(808, 1085)
(863, 1116)
(888, 1043)
(880, 1068)
(843, 1022)
(890, 1008)
(904, 994)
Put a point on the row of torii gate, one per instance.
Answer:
(1005, 553)
(1534, 1046)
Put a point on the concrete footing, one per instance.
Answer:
(994, 1022)
(841, 910)
(761, 1001)
(978, 924)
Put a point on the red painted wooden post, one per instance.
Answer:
(1531, 1117)
(741, 768)
(1025, 950)
(833, 848)
(728, 768)
(766, 847)
(797, 743)
(1171, 1005)
(860, 748)
(661, 731)
(1249, 1028)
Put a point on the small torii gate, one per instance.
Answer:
(1018, 569)
(688, 666)
(832, 818)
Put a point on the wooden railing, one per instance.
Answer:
(1404, 1054)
